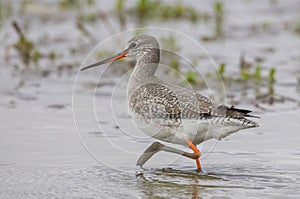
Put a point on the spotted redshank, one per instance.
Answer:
(170, 113)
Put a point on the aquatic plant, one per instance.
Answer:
(36, 57)
(248, 75)
(27, 50)
(221, 70)
(174, 63)
(219, 15)
(67, 4)
(257, 73)
(206, 16)
(244, 74)
(178, 11)
(145, 9)
(88, 17)
(297, 28)
(120, 6)
(266, 26)
(52, 55)
(245, 66)
(272, 75)
(191, 77)
(24, 46)
(219, 22)
(71, 4)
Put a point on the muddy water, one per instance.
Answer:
(61, 140)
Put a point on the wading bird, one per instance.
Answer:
(170, 113)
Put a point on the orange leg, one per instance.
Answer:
(196, 152)
(156, 147)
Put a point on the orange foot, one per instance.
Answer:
(197, 154)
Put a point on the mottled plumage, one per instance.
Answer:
(153, 101)
(171, 113)
(156, 102)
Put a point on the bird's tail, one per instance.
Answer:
(238, 113)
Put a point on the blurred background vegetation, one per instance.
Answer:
(53, 37)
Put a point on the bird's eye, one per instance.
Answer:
(132, 45)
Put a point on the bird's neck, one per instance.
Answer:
(144, 69)
(142, 73)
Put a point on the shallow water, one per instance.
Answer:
(41, 156)
(61, 140)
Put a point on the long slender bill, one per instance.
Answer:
(115, 57)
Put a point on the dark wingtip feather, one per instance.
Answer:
(236, 112)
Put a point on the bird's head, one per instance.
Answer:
(141, 48)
